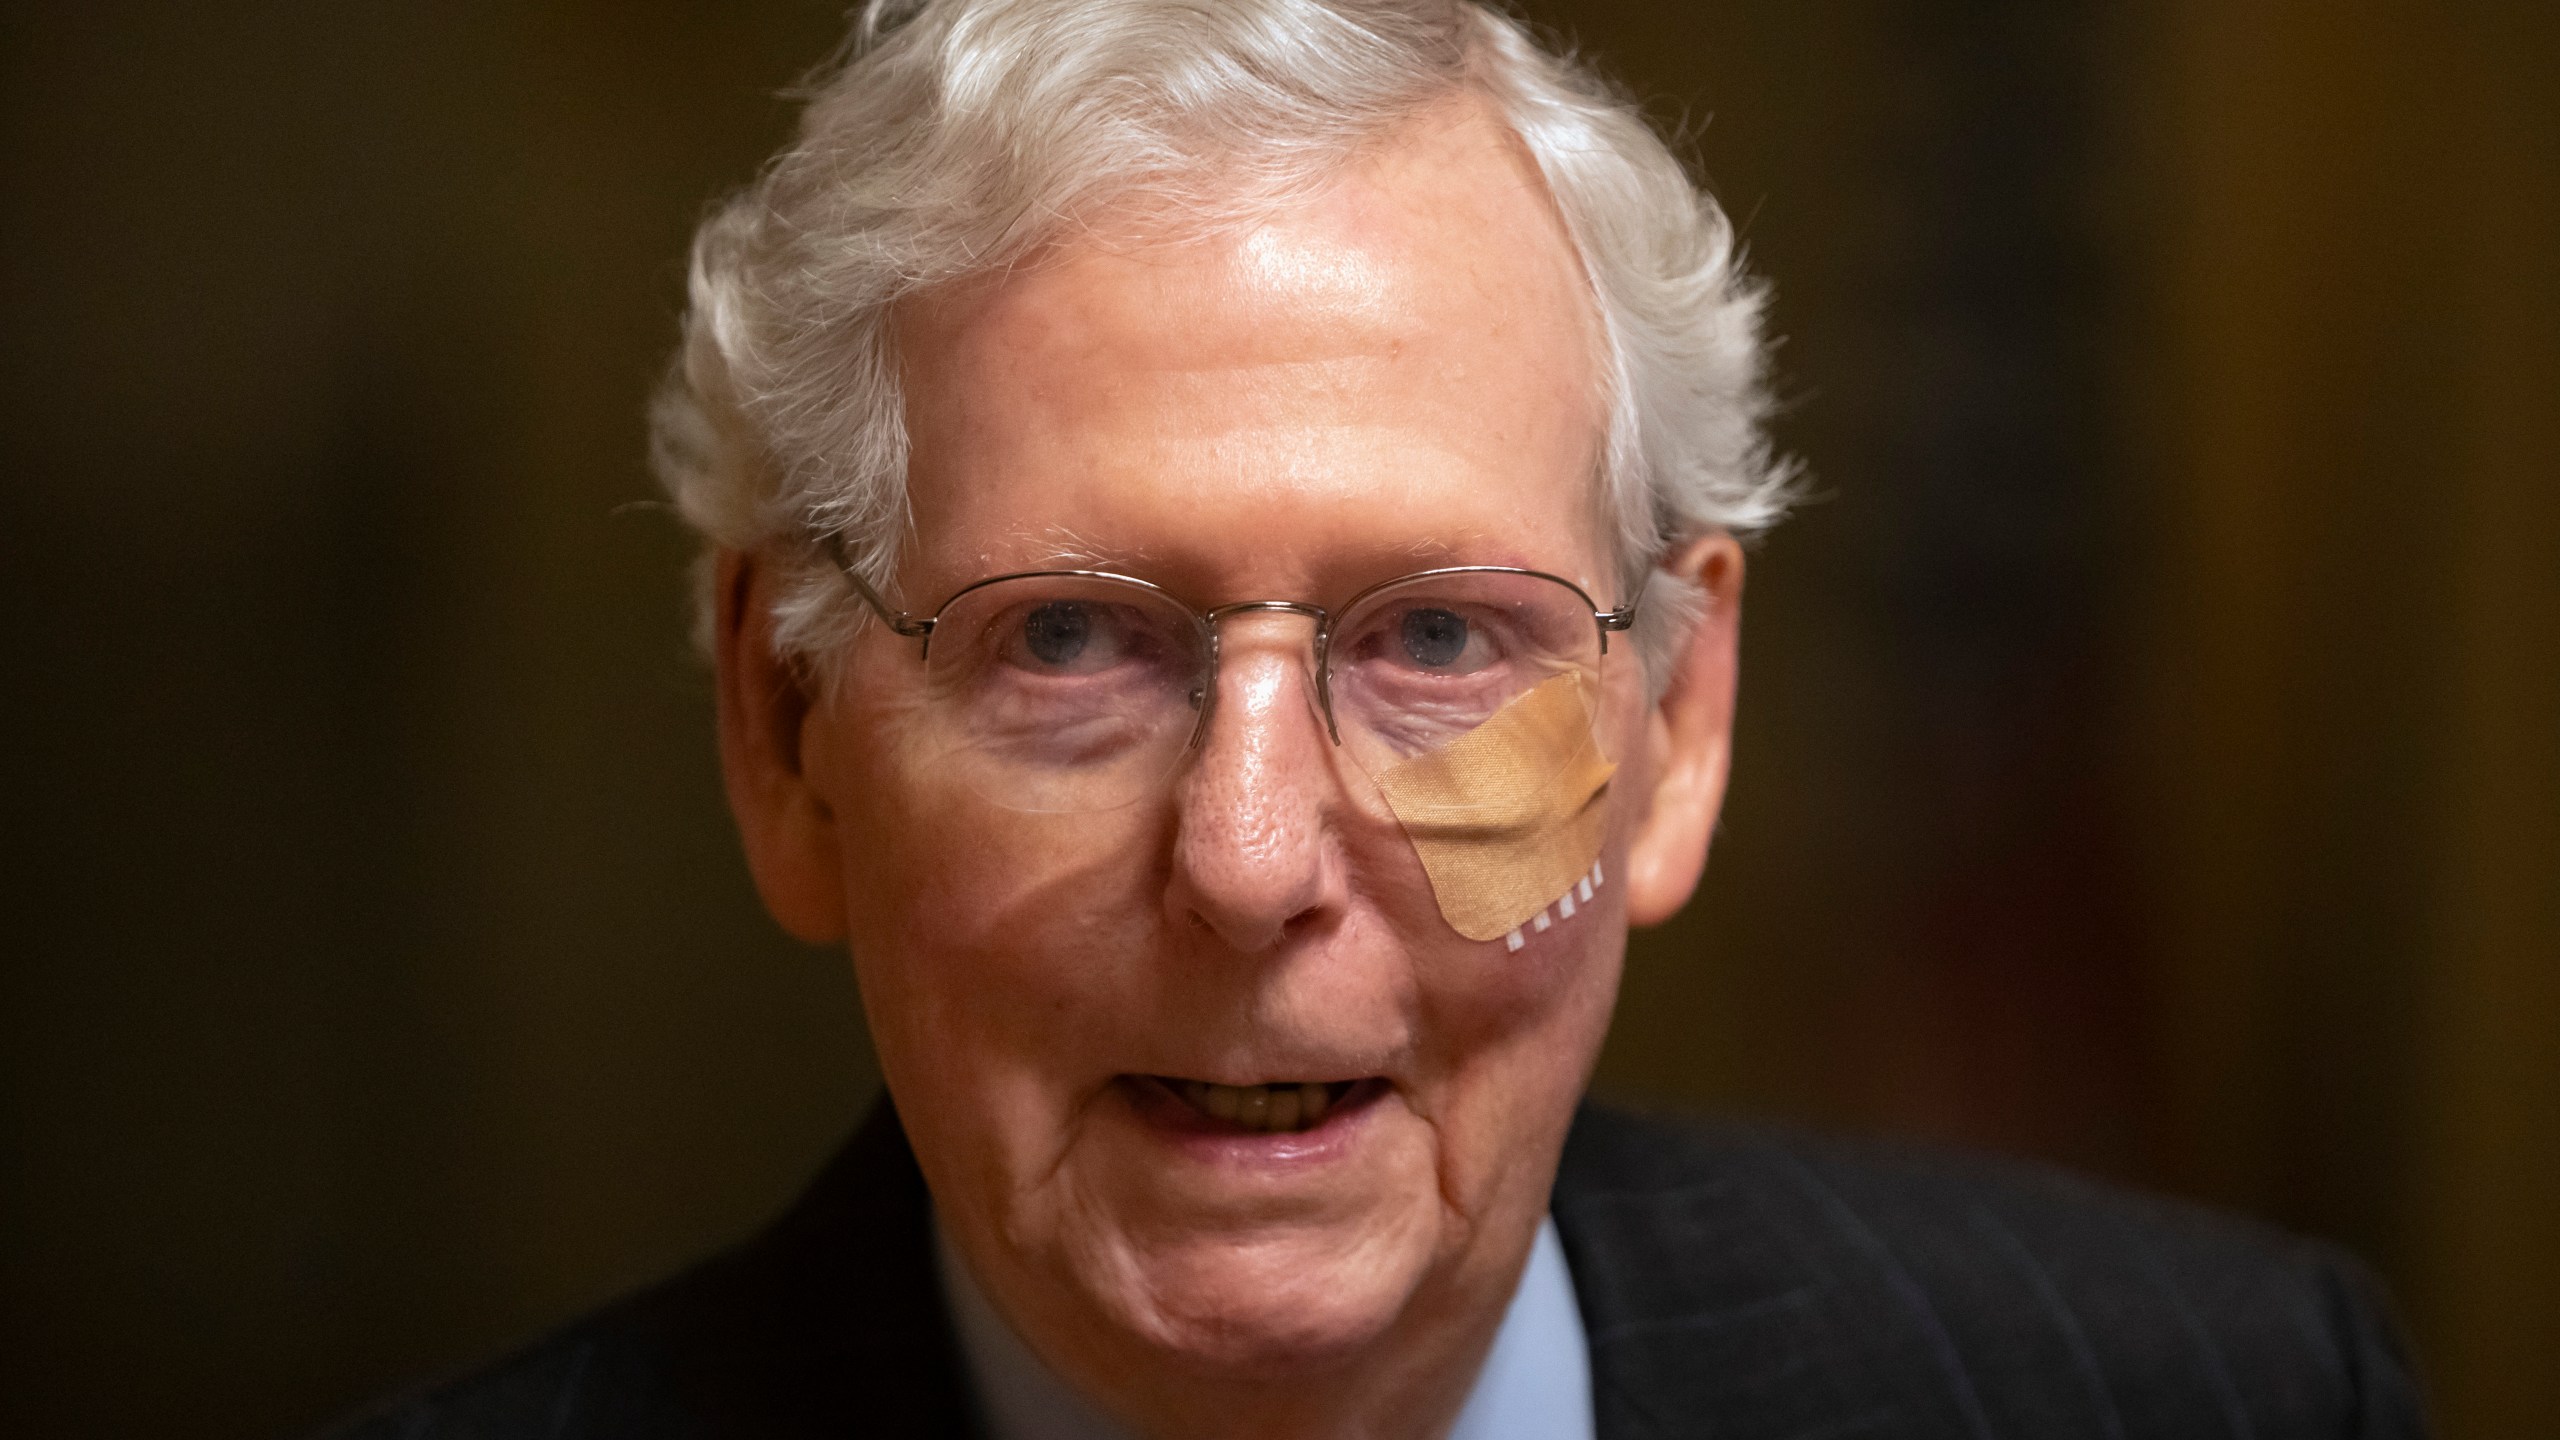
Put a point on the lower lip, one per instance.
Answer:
(1208, 1138)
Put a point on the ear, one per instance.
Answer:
(788, 827)
(1690, 738)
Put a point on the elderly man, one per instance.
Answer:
(1224, 577)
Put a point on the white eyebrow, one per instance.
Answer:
(1061, 547)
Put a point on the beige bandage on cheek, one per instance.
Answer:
(1509, 818)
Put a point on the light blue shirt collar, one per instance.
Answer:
(1535, 1385)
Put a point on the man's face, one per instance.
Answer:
(1396, 377)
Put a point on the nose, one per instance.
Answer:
(1254, 857)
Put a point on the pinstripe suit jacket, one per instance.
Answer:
(1743, 1285)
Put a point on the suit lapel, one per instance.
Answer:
(850, 1328)
(1706, 1315)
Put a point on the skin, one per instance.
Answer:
(1396, 376)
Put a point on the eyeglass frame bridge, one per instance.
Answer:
(920, 627)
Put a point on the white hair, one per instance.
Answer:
(954, 137)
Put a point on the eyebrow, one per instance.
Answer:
(1058, 547)
(1062, 547)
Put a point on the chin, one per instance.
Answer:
(1223, 1250)
(1275, 1306)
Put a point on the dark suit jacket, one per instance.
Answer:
(1740, 1284)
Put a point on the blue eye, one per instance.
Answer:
(1056, 633)
(1434, 638)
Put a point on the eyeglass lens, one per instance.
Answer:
(1062, 693)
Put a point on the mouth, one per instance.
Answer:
(1284, 1107)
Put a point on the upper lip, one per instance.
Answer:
(1314, 1075)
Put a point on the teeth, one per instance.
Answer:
(1224, 1101)
(1563, 909)
(1270, 1109)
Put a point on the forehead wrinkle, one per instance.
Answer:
(1203, 419)
(1208, 394)
(1351, 458)
(1196, 328)
(1337, 280)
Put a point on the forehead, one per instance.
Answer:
(1406, 365)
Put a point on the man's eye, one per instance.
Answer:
(1057, 633)
(1434, 639)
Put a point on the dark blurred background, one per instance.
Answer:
(2150, 754)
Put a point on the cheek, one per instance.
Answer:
(1530, 1016)
(1515, 1024)
(1512, 1035)
(1520, 1032)
(991, 945)
(1508, 1037)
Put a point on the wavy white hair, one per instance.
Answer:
(953, 137)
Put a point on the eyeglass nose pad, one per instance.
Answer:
(1204, 701)
(1322, 670)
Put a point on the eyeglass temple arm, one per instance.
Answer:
(898, 620)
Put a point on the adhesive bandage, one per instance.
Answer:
(1509, 818)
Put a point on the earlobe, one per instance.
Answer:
(766, 715)
(1689, 738)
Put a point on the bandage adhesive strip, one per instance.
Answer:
(1509, 817)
